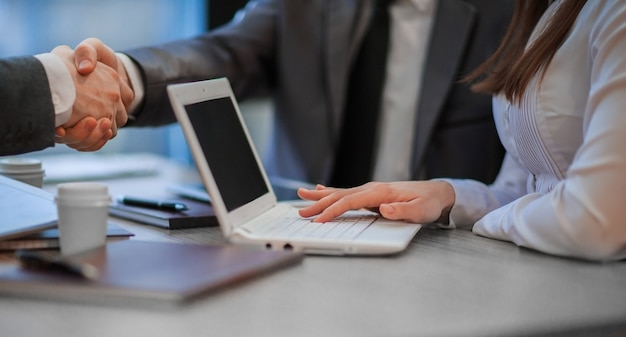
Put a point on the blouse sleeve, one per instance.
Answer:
(474, 199)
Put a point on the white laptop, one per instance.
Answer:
(243, 199)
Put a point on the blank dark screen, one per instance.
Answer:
(227, 151)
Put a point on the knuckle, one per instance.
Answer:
(370, 184)
(114, 75)
(63, 47)
(345, 202)
(379, 188)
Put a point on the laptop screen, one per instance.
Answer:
(227, 151)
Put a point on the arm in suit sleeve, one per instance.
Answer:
(28, 117)
(242, 50)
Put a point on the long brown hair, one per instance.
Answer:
(512, 66)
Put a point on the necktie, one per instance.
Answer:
(355, 152)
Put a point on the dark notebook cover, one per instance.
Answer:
(198, 214)
(146, 273)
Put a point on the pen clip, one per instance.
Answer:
(167, 205)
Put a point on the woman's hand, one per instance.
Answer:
(413, 201)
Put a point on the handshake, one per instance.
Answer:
(103, 95)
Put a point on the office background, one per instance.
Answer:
(37, 26)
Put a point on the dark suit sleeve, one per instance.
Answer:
(242, 51)
(26, 106)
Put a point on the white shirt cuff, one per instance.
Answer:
(134, 76)
(61, 86)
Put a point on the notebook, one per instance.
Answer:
(25, 209)
(197, 214)
(49, 238)
(245, 204)
(99, 166)
(144, 273)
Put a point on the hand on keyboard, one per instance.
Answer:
(412, 201)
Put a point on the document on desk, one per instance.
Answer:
(25, 209)
(49, 238)
(94, 166)
(142, 273)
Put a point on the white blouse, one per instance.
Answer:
(562, 186)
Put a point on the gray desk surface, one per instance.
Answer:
(448, 283)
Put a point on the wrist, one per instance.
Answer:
(448, 198)
(132, 76)
(62, 88)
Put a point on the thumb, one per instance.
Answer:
(59, 132)
(89, 52)
(389, 211)
(401, 211)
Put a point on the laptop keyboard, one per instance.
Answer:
(344, 228)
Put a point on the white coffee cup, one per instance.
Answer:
(27, 170)
(83, 211)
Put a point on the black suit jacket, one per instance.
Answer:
(301, 51)
(25, 105)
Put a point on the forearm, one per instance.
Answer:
(474, 199)
(26, 106)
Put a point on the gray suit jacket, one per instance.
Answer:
(300, 52)
(25, 105)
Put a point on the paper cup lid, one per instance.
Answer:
(20, 165)
(82, 191)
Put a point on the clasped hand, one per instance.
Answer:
(103, 95)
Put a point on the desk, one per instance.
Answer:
(448, 283)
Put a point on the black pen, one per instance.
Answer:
(156, 204)
(45, 261)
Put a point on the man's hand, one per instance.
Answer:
(103, 93)
(91, 51)
(98, 94)
(88, 134)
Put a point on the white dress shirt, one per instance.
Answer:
(562, 187)
(61, 86)
(411, 23)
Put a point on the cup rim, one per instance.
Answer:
(12, 171)
(23, 173)
(83, 202)
(19, 165)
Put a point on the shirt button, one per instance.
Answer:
(55, 99)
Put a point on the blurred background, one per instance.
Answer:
(36, 26)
